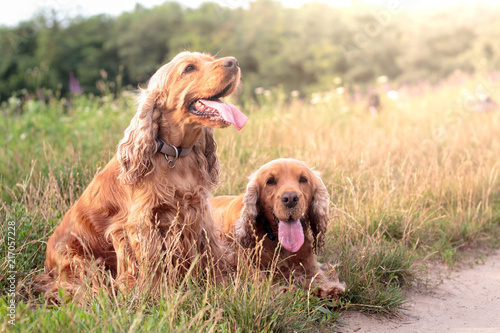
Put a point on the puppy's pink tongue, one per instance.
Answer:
(291, 235)
(229, 112)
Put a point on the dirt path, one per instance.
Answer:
(467, 300)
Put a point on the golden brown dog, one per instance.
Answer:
(153, 196)
(286, 205)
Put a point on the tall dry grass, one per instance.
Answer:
(418, 180)
(423, 172)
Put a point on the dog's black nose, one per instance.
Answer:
(230, 63)
(290, 199)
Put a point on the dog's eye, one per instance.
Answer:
(189, 68)
(303, 180)
(271, 181)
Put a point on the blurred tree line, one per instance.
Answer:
(301, 49)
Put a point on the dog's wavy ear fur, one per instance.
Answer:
(138, 146)
(206, 156)
(319, 212)
(136, 149)
(244, 230)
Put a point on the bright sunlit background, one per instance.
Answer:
(17, 11)
(298, 45)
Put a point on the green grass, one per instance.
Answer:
(420, 180)
(246, 304)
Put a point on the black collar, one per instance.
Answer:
(171, 151)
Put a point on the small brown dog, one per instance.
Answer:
(284, 200)
(153, 196)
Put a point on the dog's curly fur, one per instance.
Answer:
(136, 207)
(242, 218)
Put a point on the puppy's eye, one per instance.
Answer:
(271, 181)
(303, 180)
(189, 69)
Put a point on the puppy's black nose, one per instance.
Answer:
(230, 63)
(290, 199)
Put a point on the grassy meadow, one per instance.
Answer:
(415, 183)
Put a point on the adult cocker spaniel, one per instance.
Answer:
(150, 204)
(285, 205)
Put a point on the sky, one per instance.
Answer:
(16, 11)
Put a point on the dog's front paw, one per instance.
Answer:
(330, 289)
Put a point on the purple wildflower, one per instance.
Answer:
(74, 85)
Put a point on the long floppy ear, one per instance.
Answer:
(136, 149)
(206, 151)
(319, 212)
(244, 227)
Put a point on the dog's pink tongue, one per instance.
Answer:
(229, 112)
(291, 235)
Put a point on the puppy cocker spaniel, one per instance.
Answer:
(286, 207)
(150, 204)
